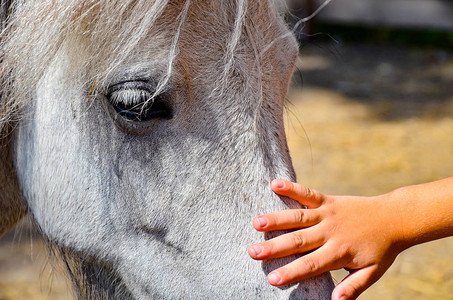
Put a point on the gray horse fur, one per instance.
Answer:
(158, 209)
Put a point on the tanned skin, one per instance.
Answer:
(364, 235)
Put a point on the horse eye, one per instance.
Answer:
(134, 101)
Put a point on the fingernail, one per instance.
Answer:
(259, 222)
(279, 184)
(274, 278)
(340, 297)
(255, 250)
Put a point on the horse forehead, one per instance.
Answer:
(264, 38)
(210, 27)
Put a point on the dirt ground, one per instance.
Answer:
(366, 120)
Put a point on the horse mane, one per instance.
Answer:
(33, 32)
(37, 30)
(4, 12)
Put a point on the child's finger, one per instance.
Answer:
(295, 242)
(287, 219)
(355, 283)
(304, 195)
(310, 265)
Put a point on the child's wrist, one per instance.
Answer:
(398, 212)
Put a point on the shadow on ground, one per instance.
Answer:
(396, 82)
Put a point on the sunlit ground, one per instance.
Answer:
(26, 271)
(367, 120)
(349, 151)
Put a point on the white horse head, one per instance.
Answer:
(142, 137)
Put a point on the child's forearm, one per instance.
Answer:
(426, 211)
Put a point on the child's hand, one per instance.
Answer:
(360, 234)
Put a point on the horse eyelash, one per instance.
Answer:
(130, 97)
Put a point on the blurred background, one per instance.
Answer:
(370, 109)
